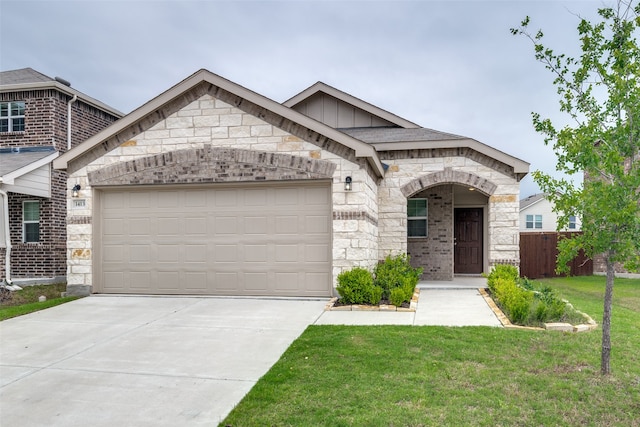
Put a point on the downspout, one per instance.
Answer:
(71, 101)
(7, 237)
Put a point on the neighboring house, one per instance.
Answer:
(40, 118)
(536, 214)
(210, 188)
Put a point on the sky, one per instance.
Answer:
(451, 66)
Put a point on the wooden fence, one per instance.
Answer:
(538, 252)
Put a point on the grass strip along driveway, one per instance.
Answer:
(26, 301)
(414, 376)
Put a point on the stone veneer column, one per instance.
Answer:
(504, 233)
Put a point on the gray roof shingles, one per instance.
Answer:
(381, 135)
(528, 201)
(12, 159)
(21, 76)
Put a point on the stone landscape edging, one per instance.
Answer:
(382, 307)
(564, 327)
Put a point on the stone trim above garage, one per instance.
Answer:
(212, 164)
(355, 216)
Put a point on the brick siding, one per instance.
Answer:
(434, 253)
(46, 125)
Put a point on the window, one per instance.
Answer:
(30, 222)
(572, 222)
(534, 221)
(12, 116)
(417, 217)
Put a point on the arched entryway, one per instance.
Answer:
(447, 224)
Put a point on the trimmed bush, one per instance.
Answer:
(502, 271)
(397, 296)
(514, 300)
(356, 287)
(397, 272)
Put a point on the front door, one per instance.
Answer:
(467, 252)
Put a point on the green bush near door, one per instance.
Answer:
(394, 280)
(523, 303)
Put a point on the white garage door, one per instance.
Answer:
(257, 239)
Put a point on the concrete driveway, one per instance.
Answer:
(142, 361)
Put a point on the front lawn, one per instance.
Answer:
(412, 376)
(26, 300)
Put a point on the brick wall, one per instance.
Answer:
(45, 125)
(600, 266)
(434, 253)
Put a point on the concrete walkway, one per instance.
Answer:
(455, 303)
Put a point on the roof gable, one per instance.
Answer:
(338, 109)
(194, 86)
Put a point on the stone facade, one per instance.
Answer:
(413, 173)
(46, 125)
(211, 141)
(208, 131)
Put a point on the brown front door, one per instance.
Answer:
(467, 253)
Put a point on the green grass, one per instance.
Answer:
(26, 300)
(415, 376)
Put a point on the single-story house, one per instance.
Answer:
(213, 189)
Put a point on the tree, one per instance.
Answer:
(600, 92)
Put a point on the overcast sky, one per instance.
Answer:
(452, 66)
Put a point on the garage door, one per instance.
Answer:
(256, 239)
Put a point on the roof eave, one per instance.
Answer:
(11, 176)
(64, 89)
(519, 166)
(361, 149)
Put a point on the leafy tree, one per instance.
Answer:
(600, 92)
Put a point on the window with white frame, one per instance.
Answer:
(534, 221)
(12, 116)
(417, 217)
(30, 221)
(572, 222)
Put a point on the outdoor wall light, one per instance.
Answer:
(75, 189)
(347, 183)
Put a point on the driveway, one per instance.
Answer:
(142, 361)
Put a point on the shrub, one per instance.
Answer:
(526, 302)
(397, 272)
(518, 305)
(500, 272)
(513, 299)
(356, 286)
(397, 296)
